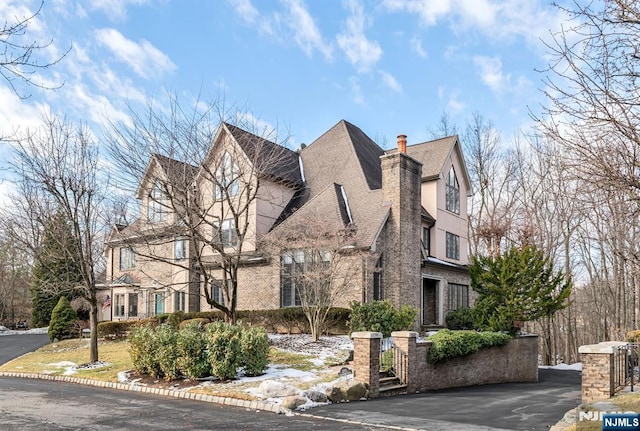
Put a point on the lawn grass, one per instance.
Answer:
(116, 354)
(77, 351)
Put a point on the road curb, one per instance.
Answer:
(225, 401)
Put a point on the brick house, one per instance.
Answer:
(408, 206)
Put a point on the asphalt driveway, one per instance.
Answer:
(12, 346)
(510, 406)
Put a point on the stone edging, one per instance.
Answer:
(226, 401)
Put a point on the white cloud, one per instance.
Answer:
(490, 71)
(305, 31)
(116, 10)
(361, 52)
(356, 90)
(416, 45)
(497, 19)
(145, 59)
(391, 82)
(454, 105)
(250, 15)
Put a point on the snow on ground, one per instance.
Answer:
(6, 331)
(576, 367)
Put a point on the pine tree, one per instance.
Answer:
(63, 319)
(520, 285)
(55, 272)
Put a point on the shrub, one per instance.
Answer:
(254, 347)
(223, 345)
(461, 318)
(193, 359)
(166, 351)
(449, 344)
(386, 361)
(381, 316)
(114, 330)
(199, 321)
(633, 336)
(175, 319)
(63, 318)
(142, 344)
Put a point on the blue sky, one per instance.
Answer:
(387, 66)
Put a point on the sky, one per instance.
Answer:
(388, 66)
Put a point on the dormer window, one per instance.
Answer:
(453, 192)
(227, 175)
(157, 207)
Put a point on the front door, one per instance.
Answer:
(429, 301)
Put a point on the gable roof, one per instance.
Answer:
(176, 173)
(278, 163)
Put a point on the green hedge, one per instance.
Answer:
(449, 344)
(381, 316)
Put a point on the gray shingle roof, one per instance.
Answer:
(272, 160)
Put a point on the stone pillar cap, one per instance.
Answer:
(366, 334)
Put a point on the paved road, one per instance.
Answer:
(37, 405)
(12, 346)
(512, 406)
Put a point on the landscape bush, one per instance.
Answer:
(386, 361)
(223, 346)
(115, 330)
(63, 318)
(447, 344)
(166, 343)
(193, 359)
(254, 345)
(142, 346)
(381, 316)
(461, 318)
(201, 321)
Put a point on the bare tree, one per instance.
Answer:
(319, 265)
(56, 168)
(202, 186)
(20, 54)
(15, 275)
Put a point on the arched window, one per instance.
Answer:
(227, 177)
(453, 192)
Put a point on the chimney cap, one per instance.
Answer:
(402, 143)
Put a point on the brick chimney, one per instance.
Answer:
(401, 191)
(402, 144)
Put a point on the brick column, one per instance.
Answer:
(405, 341)
(597, 371)
(366, 359)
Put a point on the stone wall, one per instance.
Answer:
(515, 362)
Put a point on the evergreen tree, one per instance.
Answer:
(63, 319)
(520, 285)
(55, 272)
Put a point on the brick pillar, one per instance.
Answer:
(597, 371)
(405, 341)
(366, 359)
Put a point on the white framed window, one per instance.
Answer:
(157, 206)
(118, 305)
(180, 248)
(453, 192)
(133, 305)
(127, 258)
(227, 233)
(295, 264)
(227, 177)
(453, 246)
(179, 301)
(216, 291)
(426, 240)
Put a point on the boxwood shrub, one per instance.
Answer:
(449, 344)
